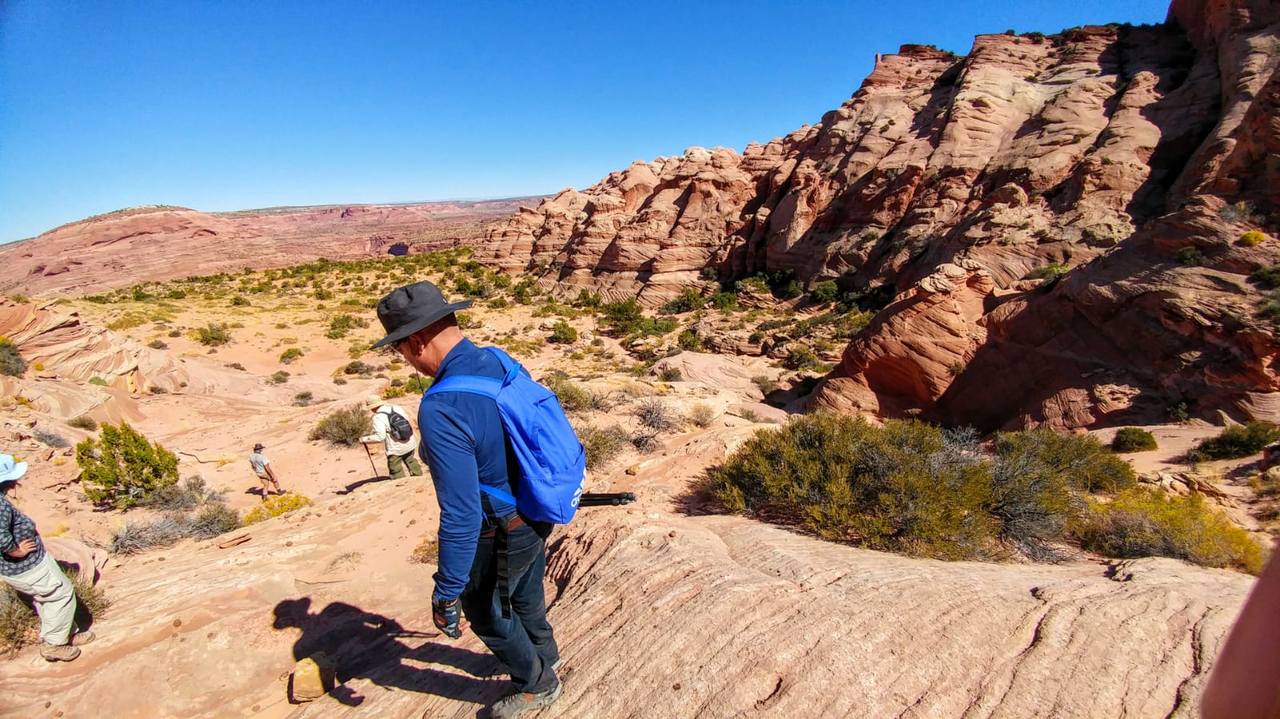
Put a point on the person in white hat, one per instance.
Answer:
(394, 431)
(29, 569)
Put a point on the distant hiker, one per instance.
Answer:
(393, 430)
(30, 570)
(262, 467)
(492, 560)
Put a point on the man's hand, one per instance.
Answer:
(447, 616)
(25, 547)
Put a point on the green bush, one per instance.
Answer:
(417, 384)
(342, 426)
(340, 325)
(687, 301)
(895, 488)
(765, 384)
(303, 399)
(11, 363)
(1080, 459)
(573, 396)
(1051, 271)
(802, 358)
(563, 333)
(689, 340)
(724, 301)
(1190, 256)
(213, 335)
(98, 381)
(158, 345)
(278, 377)
(1238, 440)
(824, 292)
(1267, 277)
(289, 355)
(239, 301)
(275, 506)
(670, 373)
(1143, 522)
(357, 367)
(1133, 439)
(84, 422)
(121, 469)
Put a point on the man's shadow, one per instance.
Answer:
(364, 645)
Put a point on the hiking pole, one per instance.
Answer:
(370, 455)
(605, 499)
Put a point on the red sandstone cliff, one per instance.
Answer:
(1109, 150)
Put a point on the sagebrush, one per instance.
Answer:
(342, 426)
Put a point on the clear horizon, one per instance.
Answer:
(223, 108)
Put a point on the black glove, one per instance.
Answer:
(447, 615)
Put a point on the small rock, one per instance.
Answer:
(633, 470)
(312, 678)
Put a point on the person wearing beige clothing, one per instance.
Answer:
(393, 429)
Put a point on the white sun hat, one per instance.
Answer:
(11, 470)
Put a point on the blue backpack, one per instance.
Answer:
(553, 463)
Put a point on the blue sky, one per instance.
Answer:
(229, 105)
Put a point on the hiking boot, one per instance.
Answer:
(521, 702)
(82, 638)
(59, 652)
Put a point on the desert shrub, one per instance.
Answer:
(587, 300)
(339, 381)
(1240, 212)
(158, 345)
(653, 413)
(340, 325)
(303, 399)
(1190, 256)
(563, 333)
(824, 292)
(627, 318)
(573, 396)
(1133, 439)
(427, 552)
(1030, 497)
(236, 366)
(687, 301)
(357, 367)
(724, 301)
(1238, 440)
(275, 506)
(1080, 459)
(702, 415)
(89, 595)
(670, 373)
(84, 422)
(1143, 522)
(750, 415)
(120, 468)
(278, 377)
(239, 301)
(11, 363)
(802, 358)
(896, 487)
(175, 333)
(765, 384)
(98, 381)
(1252, 238)
(1267, 277)
(342, 426)
(645, 440)
(417, 384)
(190, 493)
(50, 439)
(211, 520)
(689, 340)
(289, 355)
(1051, 271)
(213, 335)
(19, 623)
(601, 444)
(157, 389)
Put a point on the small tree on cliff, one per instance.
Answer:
(122, 469)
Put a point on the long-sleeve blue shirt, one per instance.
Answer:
(464, 444)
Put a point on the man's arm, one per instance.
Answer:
(380, 427)
(450, 452)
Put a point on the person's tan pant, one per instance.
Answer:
(54, 597)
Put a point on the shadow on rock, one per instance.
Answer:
(362, 482)
(369, 646)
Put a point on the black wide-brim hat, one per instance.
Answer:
(412, 307)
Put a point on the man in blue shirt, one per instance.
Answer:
(492, 561)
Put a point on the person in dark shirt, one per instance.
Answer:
(492, 560)
(30, 570)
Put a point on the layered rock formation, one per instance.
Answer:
(1106, 151)
(160, 242)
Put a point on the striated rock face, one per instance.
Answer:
(1107, 151)
(160, 242)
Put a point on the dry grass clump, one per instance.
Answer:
(602, 444)
(427, 551)
(702, 415)
(19, 623)
(192, 510)
(84, 422)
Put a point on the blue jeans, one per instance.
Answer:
(523, 641)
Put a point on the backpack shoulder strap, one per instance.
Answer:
(471, 384)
